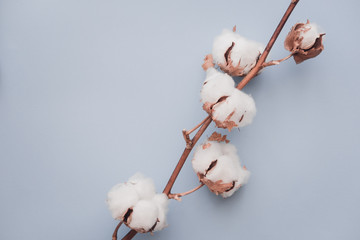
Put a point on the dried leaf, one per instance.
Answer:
(215, 136)
(217, 187)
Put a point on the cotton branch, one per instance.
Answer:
(259, 65)
(276, 62)
(177, 196)
(114, 236)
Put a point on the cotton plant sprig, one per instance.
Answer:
(216, 161)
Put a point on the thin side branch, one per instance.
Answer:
(177, 196)
(114, 236)
(277, 62)
(186, 134)
(199, 125)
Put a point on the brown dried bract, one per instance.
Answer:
(293, 41)
(215, 136)
(302, 55)
(227, 123)
(208, 62)
(217, 187)
(209, 106)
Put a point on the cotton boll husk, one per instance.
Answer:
(144, 186)
(216, 85)
(120, 198)
(205, 154)
(238, 102)
(309, 35)
(144, 215)
(161, 200)
(225, 169)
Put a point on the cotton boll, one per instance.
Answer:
(237, 110)
(216, 85)
(218, 166)
(235, 54)
(205, 154)
(144, 216)
(120, 198)
(161, 200)
(304, 41)
(144, 186)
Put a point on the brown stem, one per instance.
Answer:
(130, 235)
(197, 126)
(114, 236)
(276, 62)
(187, 139)
(177, 196)
(266, 52)
(241, 85)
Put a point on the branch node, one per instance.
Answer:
(188, 141)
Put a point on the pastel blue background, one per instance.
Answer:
(93, 91)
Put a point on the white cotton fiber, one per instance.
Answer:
(144, 215)
(120, 198)
(243, 177)
(216, 85)
(244, 53)
(148, 208)
(226, 171)
(309, 34)
(205, 154)
(161, 200)
(222, 43)
(240, 105)
(144, 186)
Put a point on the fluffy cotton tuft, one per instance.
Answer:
(120, 198)
(218, 166)
(235, 54)
(228, 106)
(144, 186)
(304, 41)
(136, 204)
(144, 216)
(216, 85)
(237, 110)
(309, 34)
